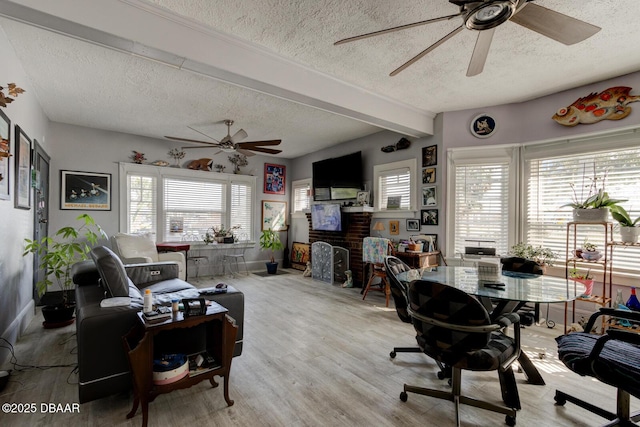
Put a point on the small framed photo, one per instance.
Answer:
(394, 227)
(88, 191)
(429, 175)
(274, 179)
(393, 202)
(429, 156)
(413, 225)
(274, 215)
(362, 199)
(429, 217)
(429, 196)
(22, 170)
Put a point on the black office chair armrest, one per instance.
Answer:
(631, 337)
(608, 311)
(508, 319)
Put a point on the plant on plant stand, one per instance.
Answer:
(595, 204)
(270, 240)
(628, 227)
(590, 251)
(58, 253)
(585, 278)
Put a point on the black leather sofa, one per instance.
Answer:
(103, 368)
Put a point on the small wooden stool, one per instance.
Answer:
(377, 270)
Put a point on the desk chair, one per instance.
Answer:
(455, 329)
(236, 253)
(393, 267)
(374, 249)
(613, 358)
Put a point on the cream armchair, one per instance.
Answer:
(140, 248)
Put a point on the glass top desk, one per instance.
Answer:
(518, 289)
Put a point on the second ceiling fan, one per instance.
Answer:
(231, 143)
(484, 16)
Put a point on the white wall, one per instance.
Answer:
(16, 287)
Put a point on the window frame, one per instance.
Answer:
(384, 169)
(159, 173)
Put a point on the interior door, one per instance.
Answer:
(41, 211)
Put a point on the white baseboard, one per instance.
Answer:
(17, 328)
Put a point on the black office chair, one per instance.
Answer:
(393, 267)
(613, 358)
(455, 329)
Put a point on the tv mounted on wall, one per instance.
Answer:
(337, 178)
(326, 217)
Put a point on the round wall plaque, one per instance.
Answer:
(483, 126)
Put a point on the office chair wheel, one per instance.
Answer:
(392, 354)
(509, 420)
(403, 396)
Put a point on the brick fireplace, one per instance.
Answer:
(356, 224)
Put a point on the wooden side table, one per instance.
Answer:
(419, 259)
(220, 337)
(176, 247)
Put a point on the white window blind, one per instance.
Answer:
(301, 195)
(548, 188)
(395, 183)
(141, 204)
(196, 205)
(481, 198)
(241, 208)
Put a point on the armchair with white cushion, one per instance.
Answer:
(141, 248)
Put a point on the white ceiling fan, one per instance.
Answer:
(231, 143)
(484, 16)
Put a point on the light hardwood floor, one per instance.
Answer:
(314, 355)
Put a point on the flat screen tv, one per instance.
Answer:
(337, 178)
(326, 217)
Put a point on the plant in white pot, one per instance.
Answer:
(590, 251)
(270, 240)
(628, 227)
(57, 254)
(592, 203)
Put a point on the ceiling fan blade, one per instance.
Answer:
(555, 25)
(239, 136)
(393, 29)
(257, 143)
(264, 150)
(245, 152)
(480, 52)
(427, 50)
(175, 138)
(203, 134)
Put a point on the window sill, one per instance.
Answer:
(395, 213)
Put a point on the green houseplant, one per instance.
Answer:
(542, 256)
(270, 240)
(58, 253)
(592, 202)
(628, 227)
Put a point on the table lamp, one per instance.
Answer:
(379, 227)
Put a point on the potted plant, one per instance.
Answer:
(57, 254)
(270, 240)
(592, 205)
(540, 255)
(218, 233)
(628, 228)
(585, 278)
(590, 251)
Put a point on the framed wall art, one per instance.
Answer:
(300, 255)
(483, 126)
(274, 179)
(429, 175)
(394, 227)
(22, 170)
(90, 191)
(429, 217)
(413, 225)
(5, 155)
(429, 156)
(429, 196)
(274, 215)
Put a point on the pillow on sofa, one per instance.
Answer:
(114, 278)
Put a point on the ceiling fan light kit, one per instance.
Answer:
(484, 16)
(231, 143)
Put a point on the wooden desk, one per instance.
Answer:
(419, 259)
(220, 338)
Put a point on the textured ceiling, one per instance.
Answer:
(85, 84)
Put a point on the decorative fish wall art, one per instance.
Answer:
(610, 104)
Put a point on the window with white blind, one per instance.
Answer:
(548, 179)
(481, 203)
(397, 181)
(183, 204)
(301, 194)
